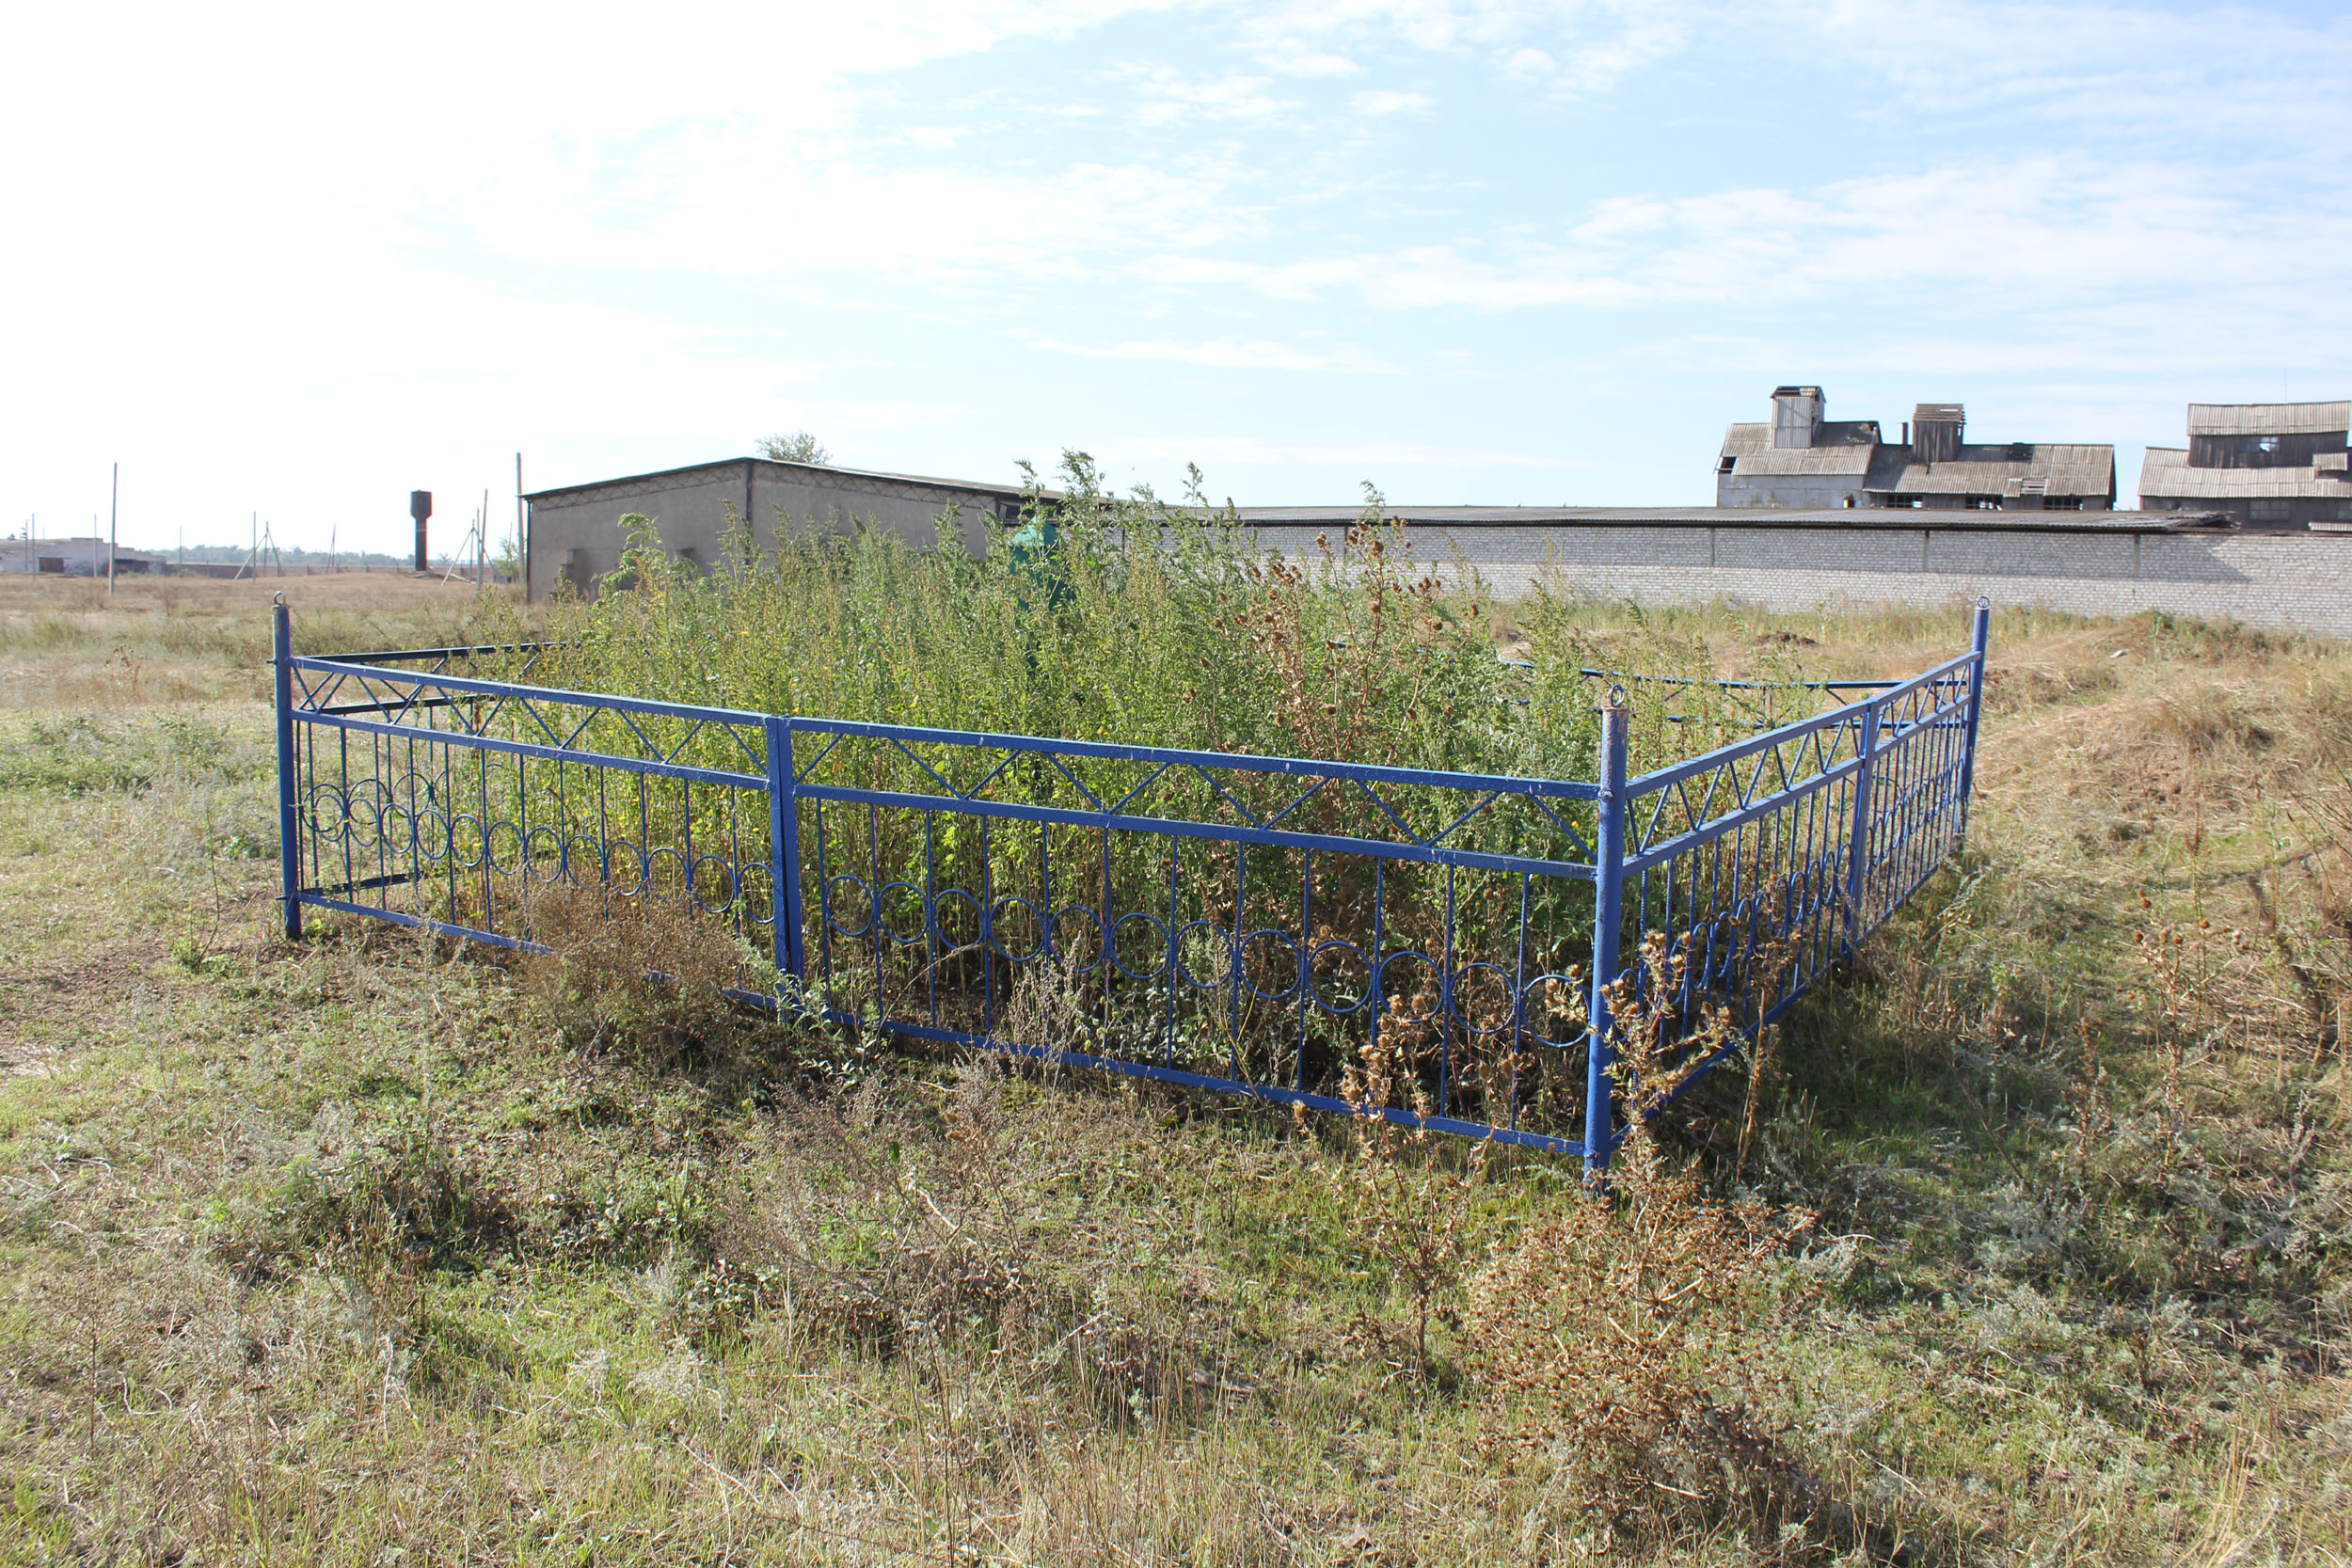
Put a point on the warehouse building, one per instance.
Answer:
(573, 534)
(2270, 466)
(1803, 460)
(1828, 515)
(86, 557)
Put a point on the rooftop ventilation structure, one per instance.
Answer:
(1935, 432)
(1796, 416)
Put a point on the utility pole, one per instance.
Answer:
(114, 527)
(522, 533)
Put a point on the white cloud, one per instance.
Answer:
(2039, 235)
(1160, 95)
(1290, 59)
(1580, 45)
(1389, 103)
(1254, 354)
(2196, 72)
(1250, 451)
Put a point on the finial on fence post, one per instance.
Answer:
(289, 848)
(1608, 911)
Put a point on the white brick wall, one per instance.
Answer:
(2262, 580)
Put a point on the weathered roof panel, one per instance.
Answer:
(2268, 419)
(1844, 448)
(2166, 472)
(2063, 469)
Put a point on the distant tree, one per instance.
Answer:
(799, 447)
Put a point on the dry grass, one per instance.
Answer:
(372, 1250)
(65, 645)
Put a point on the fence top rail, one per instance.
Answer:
(394, 655)
(539, 693)
(1858, 684)
(1246, 762)
(1707, 762)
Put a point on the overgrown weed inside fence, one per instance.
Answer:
(1145, 622)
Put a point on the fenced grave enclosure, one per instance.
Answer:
(1442, 949)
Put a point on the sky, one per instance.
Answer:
(295, 261)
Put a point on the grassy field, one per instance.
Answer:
(2028, 1245)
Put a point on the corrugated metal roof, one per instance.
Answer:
(1843, 447)
(2063, 469)
(2268, 419)
(2167, 472)
(812, 470)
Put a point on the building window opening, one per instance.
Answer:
(1728, 464)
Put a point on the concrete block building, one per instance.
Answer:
(573, 534)
(84, 557)
(1803, 460)
(2268, 466)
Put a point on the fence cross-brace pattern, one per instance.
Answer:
(1438, 948)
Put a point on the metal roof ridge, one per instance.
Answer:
(977, 486)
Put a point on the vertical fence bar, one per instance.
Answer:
(783, 850)
(1607, 892)
(289, 848)
(1858, 840)
(1979, 635)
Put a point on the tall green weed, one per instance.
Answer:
(1141, 623)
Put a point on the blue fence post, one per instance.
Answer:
(288, 845)
(784, 844)
(1858, 838)
(1607, 910)
(1978, 637)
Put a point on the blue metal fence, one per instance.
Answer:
(1254, 925)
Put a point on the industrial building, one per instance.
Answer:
(2269, 466)
(1811, 512)
(573, 534)
(1803, 460)
(73, 557)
